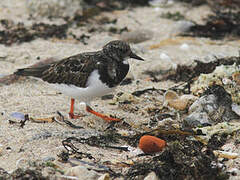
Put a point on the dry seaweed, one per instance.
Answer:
(19, 33)
(188, 73)
(183, 159)
(20, 173)
(223, 23)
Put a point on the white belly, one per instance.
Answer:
(94, 88)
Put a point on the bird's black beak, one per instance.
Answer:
(134, 56)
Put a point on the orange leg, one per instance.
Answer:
(106, 118)
(71, 113)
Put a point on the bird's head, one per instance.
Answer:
(120, 51)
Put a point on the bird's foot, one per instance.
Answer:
(103, 116)
(75, 116)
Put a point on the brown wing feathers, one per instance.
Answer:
(73, 70)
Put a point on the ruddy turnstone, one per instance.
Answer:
(87, 75)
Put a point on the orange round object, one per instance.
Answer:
(151, 144)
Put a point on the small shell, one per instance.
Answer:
(151, 144)
(180, 103)
(225, 154)
(236, 77)
(18, 115)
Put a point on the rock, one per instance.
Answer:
(213, 107)
(161, 3)
(184, 47)
(151, 144)
(151, 176)
(222, 76)
(54, 8)
(43, 135)
(104, 177)
(172, 99)
(17, 115)
(48, 159)
(82, 173)
(197, 119)
(137, 36)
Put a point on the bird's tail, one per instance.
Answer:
(35, 72)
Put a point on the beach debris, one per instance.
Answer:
(161, 3)
(20, 116)
(224, 154)
(214, 106)
(188, 73)
(215, 132)
(177, 161)
(61, 119)
(184, 47)
(19, 33)
(151, 176)
(82, 173)
(172, 99)
(151, 144)
(222, 75)
(43, 120)
(176, 16)
(220, 23)
(147, 90)
(105, 176)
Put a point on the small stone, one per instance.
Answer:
(151, 144)
(48, 159)
(184, 47)
(151, 176)
(196, 119)
(104, 177)
(212, 108)
(82, 173)
(172, 99)
(165, 57)
(18, 115)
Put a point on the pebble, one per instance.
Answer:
(18, 115)
(161, 3)
(104, 177)
(151, 144)
(42, 135)
(151, 176)
(184, 47)
(165, 57)
(172, 99)
(82, 173)
(48, 159)
(236, 108)
(212, 108)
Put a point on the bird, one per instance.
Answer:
(87, 75)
